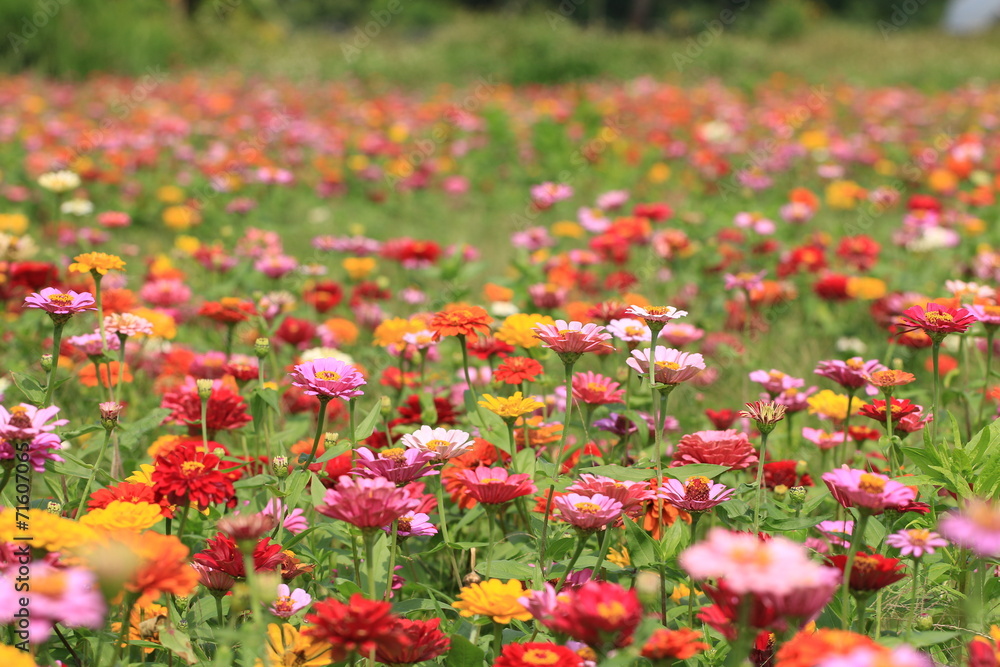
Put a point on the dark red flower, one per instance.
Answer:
(324, 295)
(368, 291)
(295, 331)
(722, 419)
(784, 473)
(33, 276)
(870, 572)
(222, 554)
(599, 614)
(810, 257)
(861, 433)
(226, 408)
(425, 642)
(832, 287)
(361, 627)
(983, 653)
(186, 476)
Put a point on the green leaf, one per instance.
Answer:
(130, 433)
(463, 653)
(341, 447)
(29, 386)
(695, 470)
(506, 569)
(179, 644)
(641, 546)
(367, 425)
(621, 473)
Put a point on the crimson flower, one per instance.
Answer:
(936, 320)
(785, 473)
(222, 554)
(187, 476)
(361, 626)
(229, 310)
(900, 408)
(600, 614)
(722, 419)
(424, 642)
(870, 572)
(531, 654)
(226, 408)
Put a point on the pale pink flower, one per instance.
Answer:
(745, 281)
(670, 366)
(822, 439)
(976, 527)
(869, 491)
(588, 513)
(413, 525)
(68, 596)
(680, 334)
(289, 602)
(631, 495)
(629, 330)
(127, 325)
(443, 443)
(850, 374)
(656, 313)
(916, 542)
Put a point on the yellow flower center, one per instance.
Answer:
(394, 454)
(284, 604)
(672, 365)
(750, 556)
(434, 445)
(540, 656)
(61, 299)
(919, 536)
(588, 508)
(566, 332)
(937, 317)
(633, 331)
(658, 310)
(594, 386)
(697, 488)
(192, 467)
(53, 585)
(865, 563)
(613, 612)
(490, 480)
(328, 376)
(872, 484)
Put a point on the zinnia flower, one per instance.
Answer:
(398, 465)
(727, 448)
(587, 513)
(868, 491)
(226, 409)
(442, 442)
(600, 614)
(850, 374)
(466, 321)
(69, 596)
(96, 262)
(765, 414)
(510, 407)
(670, 366)
(661, 314)
(595, 389)
(328, 378)
(493, 598)
(187, 476)
(916, 542)
(976, 527)
(287, 646)
(424, 641)
(900, 408)
(571, 339)
(937, 321)
(672, 645)
(535, 654)
(697, 494)
(870, 572)
(289, 602)
(361, 626)
(367, 503)
(495, 486)
(60, 305)
(515, 370)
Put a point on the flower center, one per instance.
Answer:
(594, 386)
(872, 484)
(395, 454)
(61, 299)
(855, 364)
(865, 563)
(633, 331)
(53, 585)
(937, 317)
(671, 365)
(540, 656)
(750, 556)
(587, 508)
(613, 612)
(284, 604)
(776, 375)
(567, 332)
(746, 276)
(328, 376)
(19, 417)
(404, 524)
(696, 488)
(918, 536)
(190, 468)
(435, 445)
(491, 480)
(658, 310)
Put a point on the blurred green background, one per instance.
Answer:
(414, 43)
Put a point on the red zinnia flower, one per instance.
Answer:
(229, 310)
(600, 614)
(900, 408)
(186, 476)
(937, 321)
(295, 332)
(495, 486)
(226, 408)
(673, 645)
(784, 473)
(535, 654)
(324, 295)
(832, 287)
(870, 572)
(515, 370)
(722, 419)
(485, 347)
(361, 626)
(222, 554)
(425, 642)
(466, 321)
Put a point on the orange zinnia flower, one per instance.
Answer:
(808, 649)
(163, 567)
(88, 376)
(99, 262)
(461, 321)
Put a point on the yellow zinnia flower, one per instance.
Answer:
(391, 331)
(164, 326)
(101, 262)
(863, 287)
(568, 229)
(170, 194)
(121, 515)
(14, 223)
(14, 657)
(180, 218)
(619, 558)
(517, 329)
(495, 599)
(48, 531)
(287, 647)
(144, 475)
(358, 268)
(832, 405)
(510, 407)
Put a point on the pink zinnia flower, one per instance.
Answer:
(850, 374)
(916, 542)
(661, 314)
(443, 443)
(165, 293)
(127, 325)
(975, 527)
(631, 495)
(680, 334)
(413, 525)
(727, 448)
(367, 503)
(936, 321)
(24, 421)
(901, 656)
(328, 378)
(60, 305)
(594, 389)
(774, 381)
(670, 366)
(822, 439)
(294, 522)
(68, 596)
(90, 344)
(868, 491)
(629, 330)
(495, 486)
(395, 464)
(745, 281)
(289, 602)
(548, 193)
(588, 513)
(697, 494)
(572, 338)
(836, 532)
(114, 219)
(793, 398)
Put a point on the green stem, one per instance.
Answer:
(491, 516)
(581, 542)
(183, 509)
(444, 533)
(7, 471)
(351, 404)
(511, 445)
(204, 422)
(126, 625)
(990, 333)
(543, 543)
(857, 535)
(369, 538)
(394, 533)
(50, 385)
(760, 483)
(230, 331)
(465, 368)
(603, 553)
(845, 446)
(497, 639)
(121, 363)
(935, 354)
(218, 610)
(695, 516)
(357, 563)
(739, 650)
(93, 474)
(320, 421)
(913, 597)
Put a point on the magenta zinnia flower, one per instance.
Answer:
(631, 495)
(936, 321)
(670, 366)
(495, 486)
(413, 525)
(367, 503)
(68, 596)
(60, 305)
(595, 389)
(868, 491)
(975, 527)
(572, 337)
(24, 422)
(916, 542)
(588, 513)
(774, 381)
(328, 378)
(725, 448)
(697, 494)
(396, 464)
(850, 374)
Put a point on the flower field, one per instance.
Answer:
(594, 374)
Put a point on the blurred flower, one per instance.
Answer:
(493, 598)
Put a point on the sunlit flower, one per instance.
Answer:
(510, 407)
(493, 598)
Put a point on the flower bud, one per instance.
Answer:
(801, 467)
(780, 491)
(110, 411)
(46, 362)
(204, 388)
(261, 347)
(279, 464)
(797, 495)
(386, 407)
(925, 622)
(53, 507)
(471, 578)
